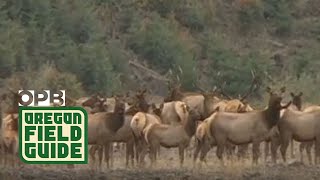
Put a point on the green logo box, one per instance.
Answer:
(53, 135)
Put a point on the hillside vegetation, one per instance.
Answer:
(120, 45)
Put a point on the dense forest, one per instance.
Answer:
(119, 45)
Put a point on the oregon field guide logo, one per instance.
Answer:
(53, 135)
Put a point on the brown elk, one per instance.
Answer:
(274, 137)
(212, 103)
(139, 123)
(300, 126)
(124, 134)
(170, 136)
(193, 100)
(9, 128)
(203, 142)
(174, 112)
(307, 145)
(243, 128)
(103, 126)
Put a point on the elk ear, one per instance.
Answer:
(161, 106)
(283, 89)
(300, 94)
(269, 90)
(292, 94)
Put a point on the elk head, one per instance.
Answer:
(100, 105)
(276, 98)
(297, 100)
(119, 107)
(92, 100)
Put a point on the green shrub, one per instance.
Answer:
(278, 12)
(159, 43)
(47, 77)
(250, 15)
(228, 68)
(192, 16)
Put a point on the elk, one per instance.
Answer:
(124, 134)
(9, 128)
(300, 126)
(307, 145)
(193, 100)
(174, 112)
(203, 142)
(213, 103)
(103, 126)
(170, 136)
(274, 137)
(139, 123)
(244, 128)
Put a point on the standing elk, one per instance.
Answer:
(102, 127)
(170, 136)
(211, 104)
(302, 127)
(203, 143)
(274, 137)
(9, 129)
(139, 123)
(193, 100)
(244, 128)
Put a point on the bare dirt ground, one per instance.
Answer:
(168, 168)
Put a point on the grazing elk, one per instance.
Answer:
(244, 128)
(103, 126)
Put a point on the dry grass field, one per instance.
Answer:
(168, 168)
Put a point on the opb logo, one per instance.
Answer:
(41, 98)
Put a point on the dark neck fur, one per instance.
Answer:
(190, 125)
(117, 121)
(272, 116)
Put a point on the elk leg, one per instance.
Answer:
(198, 145)
(255, 152)
(181, 155)
(110, 154)
(131, 149)
(292, 148)
(275, 143)
(92, 152)
(100, 153)
(301, 147)
(283, 150)
(266, 150)
(219, 152)
(107, 154)
(204, 151)
(317, 151)
(308, 149)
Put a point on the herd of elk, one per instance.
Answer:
(227, 123)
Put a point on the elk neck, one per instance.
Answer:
(117, 118)
(271, 116)
(190, 125)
